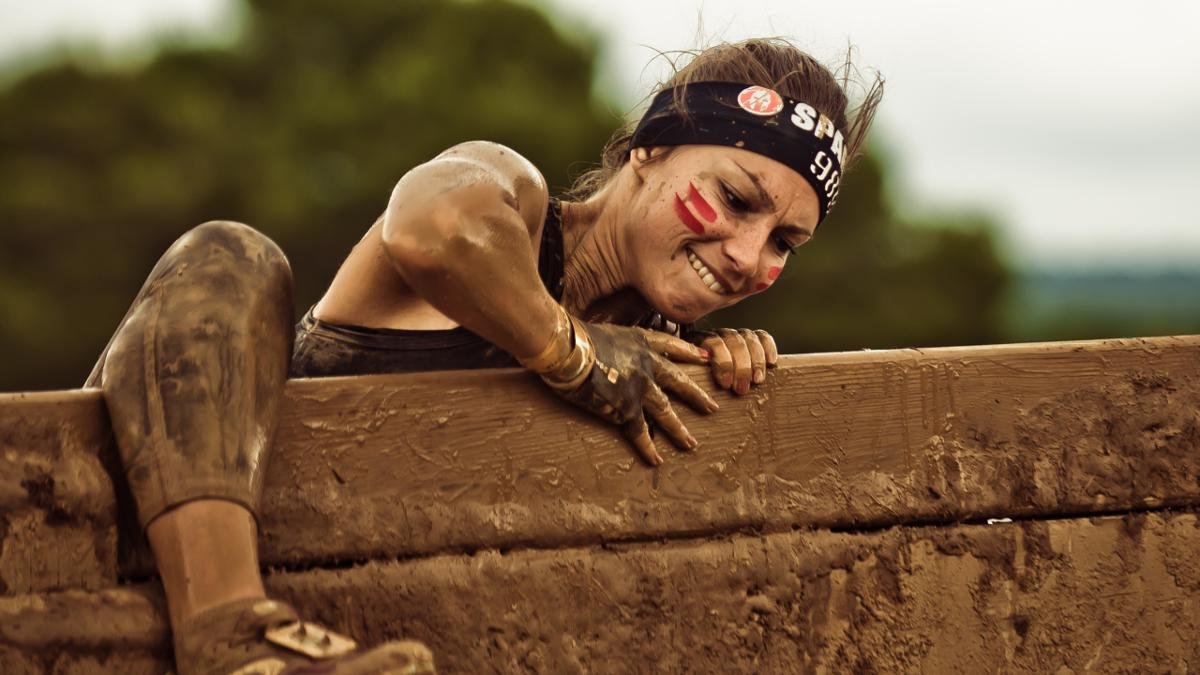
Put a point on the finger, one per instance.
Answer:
(740, 354)
(670, 377)
(720, 361)
(638, 434)
(659, 407)
(758, 356)
(675, 348)
(768, 345)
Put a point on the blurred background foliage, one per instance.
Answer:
(301, 126)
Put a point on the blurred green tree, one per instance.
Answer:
(302, 127)
(301, 130)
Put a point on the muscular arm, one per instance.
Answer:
(459, 230)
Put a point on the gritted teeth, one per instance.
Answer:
(705, 274)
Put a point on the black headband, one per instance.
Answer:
(755, 118)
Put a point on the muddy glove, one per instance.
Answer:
(619, 373)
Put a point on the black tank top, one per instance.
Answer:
(325, 349)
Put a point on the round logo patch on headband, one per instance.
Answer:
(760, 100)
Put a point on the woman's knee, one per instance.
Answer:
(220, 273)
(242, 244)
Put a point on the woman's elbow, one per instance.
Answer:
(422, 242)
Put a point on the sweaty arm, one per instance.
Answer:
(459, 230)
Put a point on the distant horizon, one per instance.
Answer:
(1190, 274)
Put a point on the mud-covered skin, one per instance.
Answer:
(740, 357)
(194, 373)
(628, 379)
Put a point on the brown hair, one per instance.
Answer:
(770, 62)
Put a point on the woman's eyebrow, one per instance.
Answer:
(796, 229)
(765, 197)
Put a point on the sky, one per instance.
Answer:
(1076, 125)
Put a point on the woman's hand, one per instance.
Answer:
(740, 357)
(631, 371)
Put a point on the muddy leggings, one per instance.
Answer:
(195, 372)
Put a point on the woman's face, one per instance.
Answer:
(712, 225)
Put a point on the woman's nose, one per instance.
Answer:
(743, 249)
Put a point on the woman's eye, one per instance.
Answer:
(784, 245)
(735, 202)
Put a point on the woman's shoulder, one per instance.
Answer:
(505, 163)
(473, 172)
(493, 155)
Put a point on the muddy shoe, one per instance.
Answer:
(265, 637)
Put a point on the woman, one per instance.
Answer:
(733, 166)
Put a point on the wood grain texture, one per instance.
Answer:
(396, 466)
(407, 465)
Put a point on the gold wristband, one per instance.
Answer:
(569, 373)
(556, 349)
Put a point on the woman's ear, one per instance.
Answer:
(640, 158)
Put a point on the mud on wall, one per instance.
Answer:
(1119, 594)
(1115, 594)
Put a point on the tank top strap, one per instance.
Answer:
(550, 254)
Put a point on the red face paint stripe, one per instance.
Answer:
(705, 209)
(773, 273)
(761, 286)
(686, 216)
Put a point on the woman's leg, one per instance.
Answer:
(192, 380)
(206, 552)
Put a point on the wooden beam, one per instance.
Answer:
(396, 466)
(400, 466)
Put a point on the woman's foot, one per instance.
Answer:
(266, 637)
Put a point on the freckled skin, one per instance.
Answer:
(737, 247)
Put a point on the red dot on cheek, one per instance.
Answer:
(773, 273)
(761, 286)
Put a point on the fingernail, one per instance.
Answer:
(704, 354)
(726, 381)
(658, 460)
(692, 442)
(759, 376)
